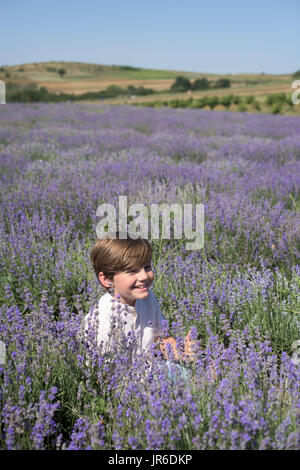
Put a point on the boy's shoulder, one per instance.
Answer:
(104, 306)
(105, 299)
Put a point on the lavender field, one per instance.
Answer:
(239, 295)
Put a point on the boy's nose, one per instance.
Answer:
(142, 275)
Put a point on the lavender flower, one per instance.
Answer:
(239, 296)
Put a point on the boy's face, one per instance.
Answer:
(133, 284)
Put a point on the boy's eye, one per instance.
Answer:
(131, 270)
(147, 268)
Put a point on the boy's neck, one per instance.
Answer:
(118, 298)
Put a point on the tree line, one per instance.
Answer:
(275, 102)
(183, 84)
(31, 92)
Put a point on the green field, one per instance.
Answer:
(79, 78)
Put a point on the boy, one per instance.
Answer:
(123, 267)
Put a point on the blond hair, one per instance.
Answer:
(112, 255)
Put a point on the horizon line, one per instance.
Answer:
(144, 68)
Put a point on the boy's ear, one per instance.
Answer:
(104, 280)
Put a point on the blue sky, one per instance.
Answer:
(214, 36)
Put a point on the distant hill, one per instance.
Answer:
(123, 84)
(78, 77)
(81, 77)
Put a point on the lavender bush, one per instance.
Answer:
(240, 295)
